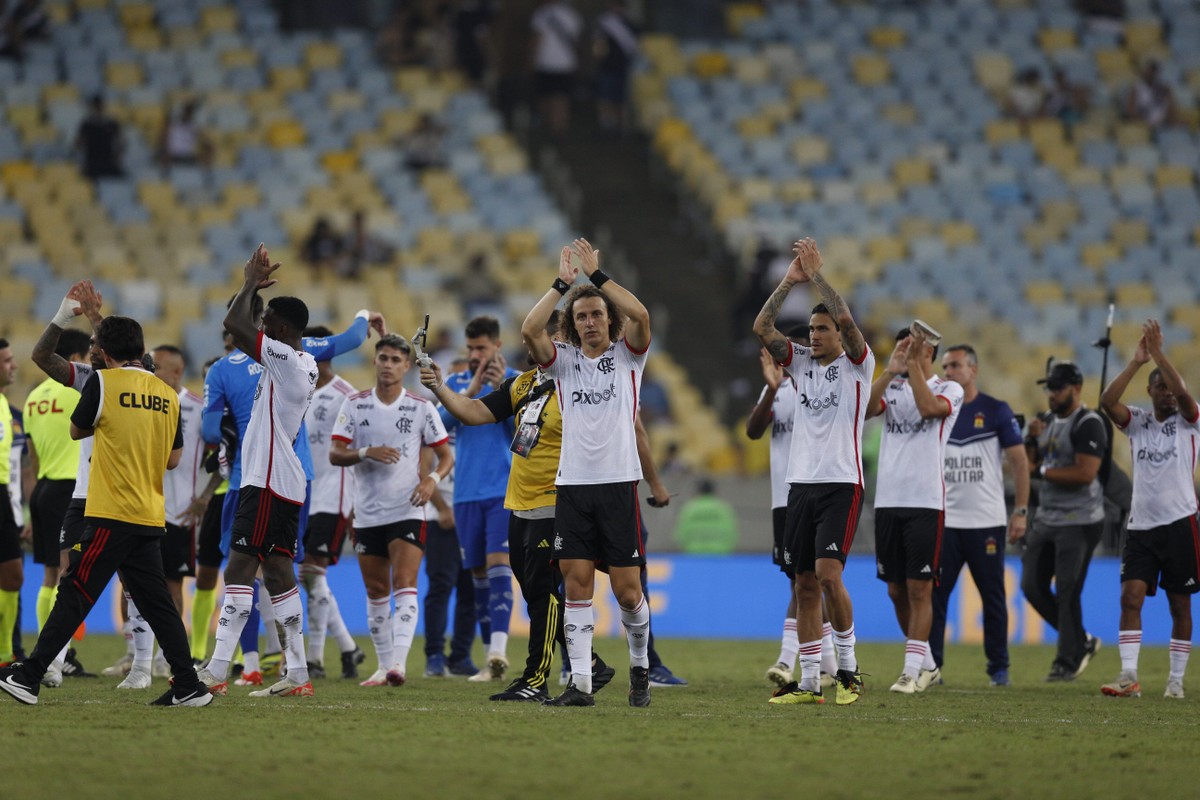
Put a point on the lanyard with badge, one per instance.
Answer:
(529, 428)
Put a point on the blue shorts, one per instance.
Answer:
(482, 527)
(229, 510)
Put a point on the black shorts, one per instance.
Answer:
(325, 535)
(552, 83)
(47, 507)
(599, 522)
(72, 524)
(778, 526)
(908, 544)
(374, 541)
(820, 523)
(179, 553)
(10, 532)
(208, 540)
(265, 524)
(1170, 551)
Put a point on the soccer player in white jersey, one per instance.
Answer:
(1163, 543)
(776, 410)
(598, 373)
(825, 471)
(919, 410)
(380, 434)
(328, 518)
(266, 526)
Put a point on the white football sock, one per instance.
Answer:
(317, 588)
(61, 658)
(404, 625)
(928, 663)
(829, 664)
(810, 665)
(266, 610)
(1180, 650)
(914, 656)
(378, 611)
(250, 662)
(235, 610)
(143, 637)
(290, 613)
(789, 646)
(1129, 645)
(637, 625)
(337, 627)
(579, 626)
(843, 643)
(127, 630)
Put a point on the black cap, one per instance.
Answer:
(1064, 373)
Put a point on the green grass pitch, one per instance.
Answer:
(718, 737)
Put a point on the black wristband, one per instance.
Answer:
(598, 279)
(561, 286)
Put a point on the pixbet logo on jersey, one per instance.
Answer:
(591, 397)
(818, 404)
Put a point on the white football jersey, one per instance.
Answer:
(783, 412)
(333, 487)
(912, 452)
(598, 398)
(179, 484)
(830, 409)
(382, 491)
(1164, 461)
(79, 376)
(285, 386)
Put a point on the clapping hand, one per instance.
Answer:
(589, 258)
(807, 263)
(566, 271)
(772, 372)
(259, 269)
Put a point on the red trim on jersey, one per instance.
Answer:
(636, 352)
(1191, 421)
(937, 547)
(271, 423)
(861, 360)
(637, 515)
(71, 382)
(363, 393)
(339, 438)
(553, 358)
(852, 520)
(857, 455)
(258, 347)
(414, 397)
(1128, 423)
(791, 353)
(633, 386)
(424, 525)
(439, 442)
(558, 394)
(949, 405)
(1195, 541)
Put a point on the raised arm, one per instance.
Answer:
(241, 319)
(760, 417)
(852, 338)
(81, 300)
(533, 329)
(348, 340)
(1153, 336)
(637, 326)
(465, 409)
(1110, 398)
(896, 365)
(929, 405)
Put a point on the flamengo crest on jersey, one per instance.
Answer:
(382, 491)
(179, 484)
(79, 376)
(974, 471)
(598, 398)
(912, 452)
(333, 487)
(783, 412)
(280, 400)
(830, 409)
(1164, 461)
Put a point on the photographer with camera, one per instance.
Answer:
(1068, 448)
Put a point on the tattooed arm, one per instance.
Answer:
(778, 345)
(810, 262)
(82, 300)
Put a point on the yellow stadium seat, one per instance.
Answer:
(1126, 175)
(870, 69)
(878, 193)
(1097, 254)
(1051, 40)
(60, 93)
(213, 215)
(1133, 133)
(802, 90)
(521, 243)
(758, 190)
(239, 58)
(1091, 294)
(730, 208)
(1127, 233)
(123, 75)
(900, 113)
(1114, 66)
(143, 39)
(323, 55)
(1046, 133)
(754, 127)
(994, 71)
(1090, 130)
(286, 134)
(710, 64)
(434, 244)
(16, 172)
(885, 37)
(1037, 235)
(1002, 131)
(912, 172)
(1063, 157)
(913, 227)
(184, 38)
(1143, 37)
(17, 298)
(797, 190)
(738, 14)
(218, 19)
(289, 79)
(136, 15)
(1084, 176)
(808, 150)
(339, 162)
(1135, 294)
(884, 249)
(751, 70)
(1063, 213)
(958, 234)
(1173, 175)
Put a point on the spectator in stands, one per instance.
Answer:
(1026, 97)
(1150, 99)
(706, 524)
(654, 404)
(360, 247)
(323, 247)
(471, 27)
(182, 142)
(437, 41)
(21, 21)
(557, 28)
(616, 48)
(477, 287)
(424, 146)
(1066, 100)
(399, 43)
(101, 142)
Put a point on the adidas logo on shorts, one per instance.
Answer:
(925, 569)
(833, 547)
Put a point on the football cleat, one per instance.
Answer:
(1090, 648)
(1124, 686)
(350, 662)
(780, 675)
(160, 668)
(394, 677)
(179, 698)
(14, 682)
(1174, 689)
(73, 668)
(927, 678)
(218, 687)
(498, 665)
(138, 678)
(905, 684)
(249, 679)
(378, 678)
(571, 697)
(464, 667)
(521, 692)
(663, 678)
(119, 669)
(601, 674)
(286, 688)
(316, 670)
(790, 694)
(435, 666)
(53, 677)
(639, 687)
(1000, 678)
(850, 687)
(828, 680)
